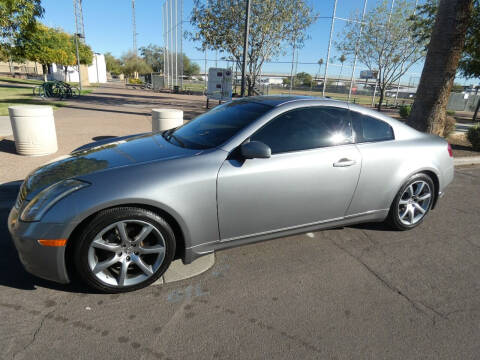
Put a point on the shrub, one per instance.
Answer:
(134, 81)
(450, 126)
(450, 112)
(473, 135)
(404, 111)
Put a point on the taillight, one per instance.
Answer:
(450, 152)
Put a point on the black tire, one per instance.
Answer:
(103, 220)
(394, 219)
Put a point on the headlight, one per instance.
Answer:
(48, 197)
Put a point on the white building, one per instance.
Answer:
(97, 72)
(272, 80)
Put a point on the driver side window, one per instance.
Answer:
(306, 128)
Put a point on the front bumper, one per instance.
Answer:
(43, 261)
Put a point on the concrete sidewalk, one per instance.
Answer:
(111, 110)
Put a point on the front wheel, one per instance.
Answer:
(124, 249)
(412, 203)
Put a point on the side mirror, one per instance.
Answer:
(255, 150)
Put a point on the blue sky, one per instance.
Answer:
(108, 27)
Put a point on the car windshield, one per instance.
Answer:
(218, 125)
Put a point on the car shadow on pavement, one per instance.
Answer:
(12, 273)
(375, 226)
(7, 146)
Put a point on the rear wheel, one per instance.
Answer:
(124, 249)
(412, 203)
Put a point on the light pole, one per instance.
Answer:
(77, 36)
(329, 47)
(96, 65)
(245, 48)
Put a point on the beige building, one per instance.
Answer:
(29, 67)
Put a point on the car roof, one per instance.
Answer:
(277, 100)
(402, 130)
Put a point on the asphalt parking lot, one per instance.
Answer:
(351, 293)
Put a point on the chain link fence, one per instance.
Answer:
(172, 20)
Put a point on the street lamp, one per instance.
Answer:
(78, 36)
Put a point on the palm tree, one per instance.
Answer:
(342, 59)
(320, 63)
(444, 51)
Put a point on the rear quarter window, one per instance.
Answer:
(369, 129)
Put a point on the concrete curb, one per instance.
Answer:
(466, 160)
(179, 271)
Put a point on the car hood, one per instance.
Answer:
(96, 157)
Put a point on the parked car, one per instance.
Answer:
(117, 212)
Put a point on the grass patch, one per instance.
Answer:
(91, 86)
(359, 99)
(20, 81)
(5, 103)
(20, 92)
(6, 92)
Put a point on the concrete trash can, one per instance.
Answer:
(33, 129)
(165, 119)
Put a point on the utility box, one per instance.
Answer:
(219, 84)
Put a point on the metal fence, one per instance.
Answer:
(463, 102)
(332, 78)
(172, 20)
(337, 84)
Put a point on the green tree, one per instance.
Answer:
(153, 56)
(469, 64)
(48, 45)
(134, 65)
(114, 65)
(386, 43)
(302, 78)
(190, 68)
(17, 20)
(220, 24)
(84, 52)
(320, 63)
(342, 58)
(444, 52)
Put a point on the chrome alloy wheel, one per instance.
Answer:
(414, 202)
(126, 253)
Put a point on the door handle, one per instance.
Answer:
(344, 162)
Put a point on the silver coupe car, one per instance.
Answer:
(117, 212)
